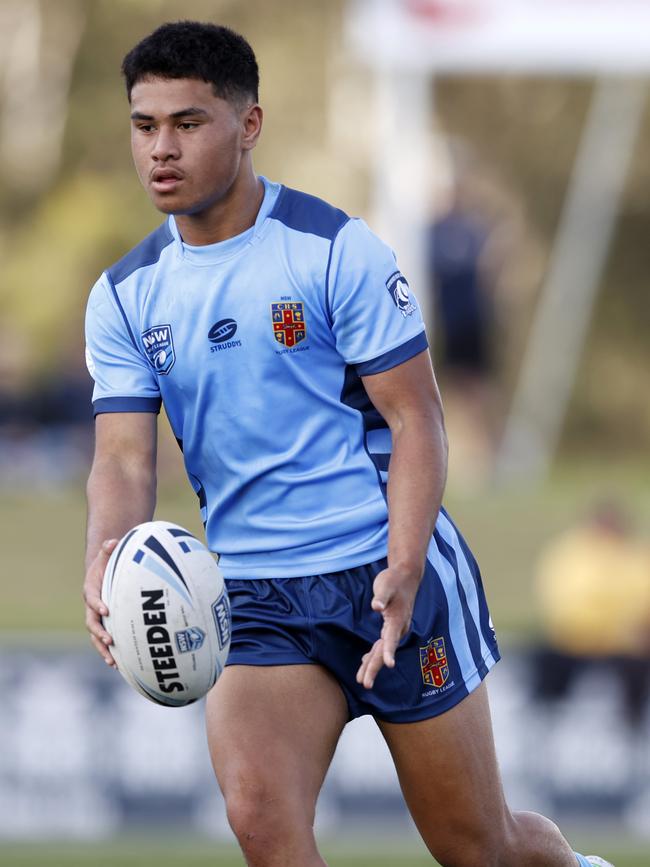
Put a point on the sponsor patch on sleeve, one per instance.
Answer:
(398, 290)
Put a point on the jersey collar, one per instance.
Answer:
(211, 254)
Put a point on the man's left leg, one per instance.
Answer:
(449, 775)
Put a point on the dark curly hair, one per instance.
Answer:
(192, 49)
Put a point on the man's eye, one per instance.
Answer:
(187, 125)
(145, 127)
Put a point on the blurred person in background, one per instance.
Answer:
(45, 422)
(593, 589)
(467, 247)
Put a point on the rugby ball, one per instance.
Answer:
(168, 613)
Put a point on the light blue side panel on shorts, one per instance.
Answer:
(461, 593)
(450, 535)
(457, 633)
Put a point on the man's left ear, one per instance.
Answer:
(252, 119)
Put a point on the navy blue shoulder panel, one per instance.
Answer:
(146, 253)
(308, 214)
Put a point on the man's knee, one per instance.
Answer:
(467, 855)
(521, 838)
(265, 820)
(465, 847)
(247, 817)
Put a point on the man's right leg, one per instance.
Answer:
(272, 732)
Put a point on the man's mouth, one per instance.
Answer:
(165, 180)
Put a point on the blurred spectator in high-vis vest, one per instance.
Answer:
(593, 587)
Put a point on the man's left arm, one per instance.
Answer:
(407, 397)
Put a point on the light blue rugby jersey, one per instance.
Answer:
(256, 345)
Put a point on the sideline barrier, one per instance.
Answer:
(83, 756)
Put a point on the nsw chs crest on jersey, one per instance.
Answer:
(433, 662)
(288, 322)
(159, 346)
(399, 292)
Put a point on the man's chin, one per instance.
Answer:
(167, 206)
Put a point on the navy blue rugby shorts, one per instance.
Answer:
(327, 620)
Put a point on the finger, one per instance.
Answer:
(365, 659)
(383, 589)
(362, 668)
(373, 668)
(373, 665)
(390, 634)
(95, 602)
(104, 555)
(92, 593)
(103, 652)
(96, 628)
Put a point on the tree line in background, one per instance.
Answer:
(70, 203)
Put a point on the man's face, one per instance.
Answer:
(187, 143)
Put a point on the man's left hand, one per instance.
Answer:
(394, 596)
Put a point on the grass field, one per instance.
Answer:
(149, 853)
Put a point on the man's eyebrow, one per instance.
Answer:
(192, 111)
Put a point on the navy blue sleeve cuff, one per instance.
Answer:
(127, 404)
(395, 356)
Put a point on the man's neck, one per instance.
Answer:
(231, 216)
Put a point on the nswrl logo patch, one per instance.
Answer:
(190, 639)
(159, 346)
(398, 289)
(221, 614)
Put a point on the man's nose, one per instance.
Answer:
(165, 146)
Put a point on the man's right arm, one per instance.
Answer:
(121, 493)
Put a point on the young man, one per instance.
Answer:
(293, 365)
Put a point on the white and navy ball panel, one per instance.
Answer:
(155, 557)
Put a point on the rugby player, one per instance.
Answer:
(291, 358)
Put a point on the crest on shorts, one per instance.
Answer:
(288, 322)
(159, 346)
(398, 289)
(433, 662)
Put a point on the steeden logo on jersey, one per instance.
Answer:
(159, 346)
(398, 289)
(221, 335)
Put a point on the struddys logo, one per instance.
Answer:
(398, 290)
(159, 346)
(221, 335)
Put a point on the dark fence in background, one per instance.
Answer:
(83, 756)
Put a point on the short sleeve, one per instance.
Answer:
(124, 381)
(376, 320)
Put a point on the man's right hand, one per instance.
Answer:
(95, 608)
